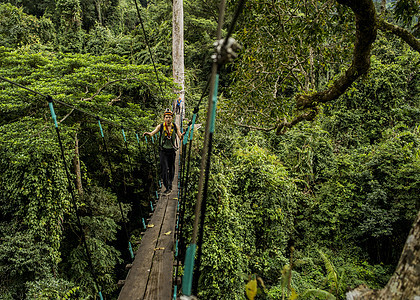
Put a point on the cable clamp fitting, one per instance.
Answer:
(225, 51)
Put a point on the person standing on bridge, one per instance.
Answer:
(167, 141)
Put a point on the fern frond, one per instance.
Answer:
(331, 272)
(341, 282)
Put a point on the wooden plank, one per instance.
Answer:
(138, 276)
(161, 277)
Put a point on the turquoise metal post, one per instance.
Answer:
(188, 270)
(53, 115)
(213, 113)
(130, 248)
(192, 126)
(100, 127)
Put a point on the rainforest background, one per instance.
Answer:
(324, 206)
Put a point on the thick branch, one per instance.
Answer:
(308, 116)
(365, 14)
(402, 33)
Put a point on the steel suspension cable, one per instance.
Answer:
(180, 241)
(188, 137)
(211, 120)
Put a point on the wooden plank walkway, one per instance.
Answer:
(151, 274)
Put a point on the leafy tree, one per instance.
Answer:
(70, 30)
(19, 29)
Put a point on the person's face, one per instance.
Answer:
(168, 119)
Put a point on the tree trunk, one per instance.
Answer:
(178, 49)
(99, 10)
(405, 283)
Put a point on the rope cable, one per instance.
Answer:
(152, 157)
(58, 101)
(186, 183)
(148, 46)
(187, 157)
(205, 189)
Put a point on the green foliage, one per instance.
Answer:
(23, 258)
(406, 11)
(289, 288)
(388, 96)
(248, 218)
(334, 280)
(51, 288)
(19, 29)
(289, 47)
(308, 154)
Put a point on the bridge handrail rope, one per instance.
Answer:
(61, 102)
(155, 153)
(184, 188)
(187, 279)
(154, 183)
(74, 203)
(186, 182)
(148, 46)
(188, 137)
(152, 156)
(184, 185)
